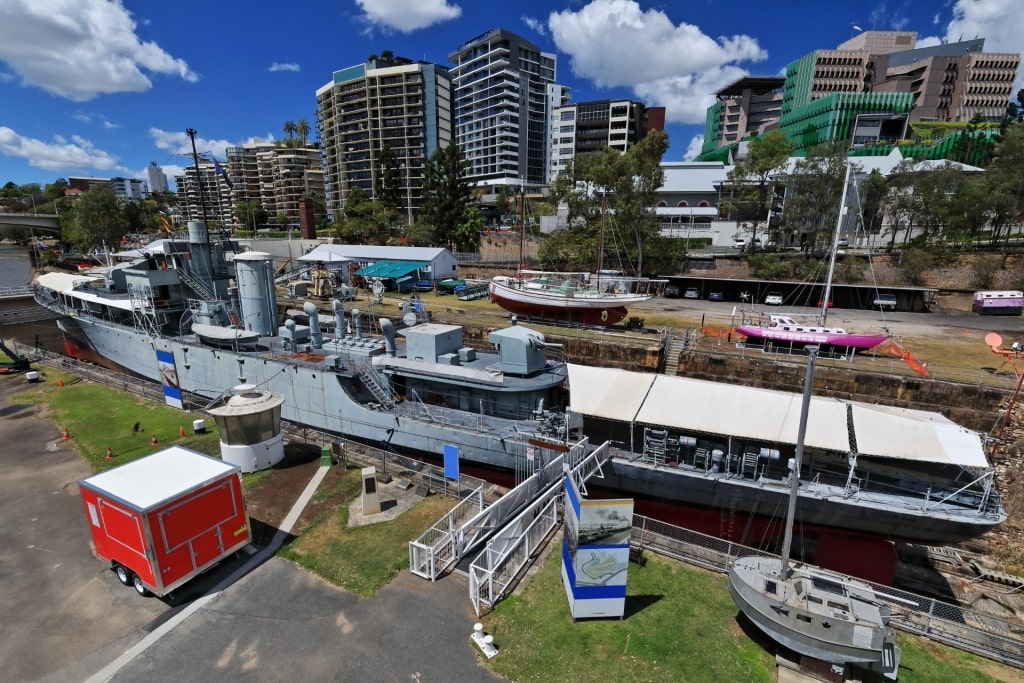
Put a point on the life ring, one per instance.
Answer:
(604, 316)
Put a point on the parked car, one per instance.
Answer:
(773, 299)
(843, 243)
(885, 302)
(691, 293)
(672, 291)
(716, 295)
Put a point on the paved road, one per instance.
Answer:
(278, 622)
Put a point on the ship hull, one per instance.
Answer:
(314, 396)
(317, 398)
(586, 310)
(861, 342)
(734, 500)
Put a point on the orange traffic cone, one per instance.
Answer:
(66, 435)
(110, 454)
(181, 430)
(153, 441)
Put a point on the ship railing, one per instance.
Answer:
(513, 547)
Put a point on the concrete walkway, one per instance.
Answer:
(255, 617)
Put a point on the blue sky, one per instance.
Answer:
(103, 87)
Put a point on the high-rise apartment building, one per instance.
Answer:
(129, 188)
(866, 91)
(587, 127)
(156, 177)
(276, 176)
(213, 204)
(501, 109)
(747, 107)
(390, 101)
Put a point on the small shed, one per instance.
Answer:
(433, 263)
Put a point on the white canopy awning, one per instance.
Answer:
(326, 253)
(701, 407)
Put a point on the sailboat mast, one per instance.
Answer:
(600, 237)
(835, 248)
(794, 481)
(522, 223)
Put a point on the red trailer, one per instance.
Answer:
(163, 519)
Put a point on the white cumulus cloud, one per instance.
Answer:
(59, 154)
(406, 16)
(535, 25)
(693, 149)
(79, 49)
(666, 64)
(999, 22)
(288, 66)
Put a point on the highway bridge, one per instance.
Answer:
(40, 221)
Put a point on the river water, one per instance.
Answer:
(16, 271)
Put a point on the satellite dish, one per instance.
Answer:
(409, 319)
(993, 340)
(377, 287)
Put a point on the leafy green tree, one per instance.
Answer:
(610, 198)
(55, 190)
(817, 185)
(97, 219)
(282, 220)
(387, 185)
(446, 193)
(418, 234)
(466, 236)
(289, 129)
(914, 263)
(872, 192)
(250, 214)
(1006, 182)
(752, 181)
(355, 225)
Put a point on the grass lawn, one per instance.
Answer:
(362, 559)
(97, 417)
(680, 625)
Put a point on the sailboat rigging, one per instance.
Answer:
(814, 612)
(783, 329)
(600, 298)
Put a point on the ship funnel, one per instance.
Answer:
(316, 337)
(356, 329)
(389, 337)
(339, 319)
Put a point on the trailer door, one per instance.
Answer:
(191, 528)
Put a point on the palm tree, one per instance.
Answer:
(302, 129)
(290, 128)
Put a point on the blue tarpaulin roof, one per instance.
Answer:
(391, 269)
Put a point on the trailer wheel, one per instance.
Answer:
(140, 588)
(124, 575)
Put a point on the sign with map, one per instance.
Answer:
(595, 553)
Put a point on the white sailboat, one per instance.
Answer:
(814, 612)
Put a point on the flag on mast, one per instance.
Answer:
(220, 171)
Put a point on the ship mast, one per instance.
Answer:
(191, 133)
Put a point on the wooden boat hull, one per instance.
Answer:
(586, 309)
